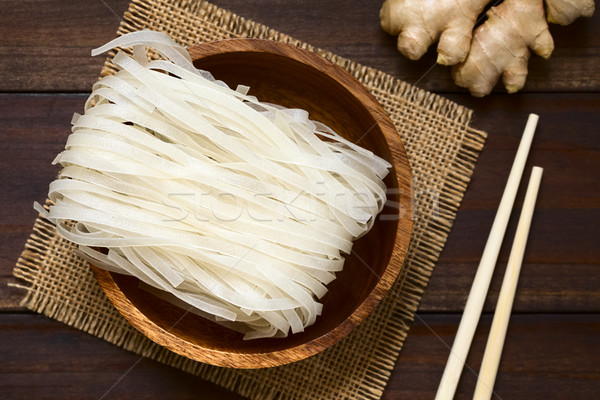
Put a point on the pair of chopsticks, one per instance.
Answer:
(481, 283)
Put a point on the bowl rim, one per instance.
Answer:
(401, 166)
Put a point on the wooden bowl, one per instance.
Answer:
(283, 74)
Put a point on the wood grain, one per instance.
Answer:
(44, 359)
(560, 272)
(59, 35)
(542, 288)
(546, 357)
(45, 44)
(44, 47)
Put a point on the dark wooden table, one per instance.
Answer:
(552, 348)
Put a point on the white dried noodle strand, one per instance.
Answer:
(239, 208)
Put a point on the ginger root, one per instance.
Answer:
(563, 12)
(419, 23)
(499, 47)
(511, 29)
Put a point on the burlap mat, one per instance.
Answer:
(442, 149)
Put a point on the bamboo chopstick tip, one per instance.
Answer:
(536, 176)
(532, 121)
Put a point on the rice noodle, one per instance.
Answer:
(239, 210)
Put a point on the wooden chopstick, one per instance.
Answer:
(495, 343)
(481, 282)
